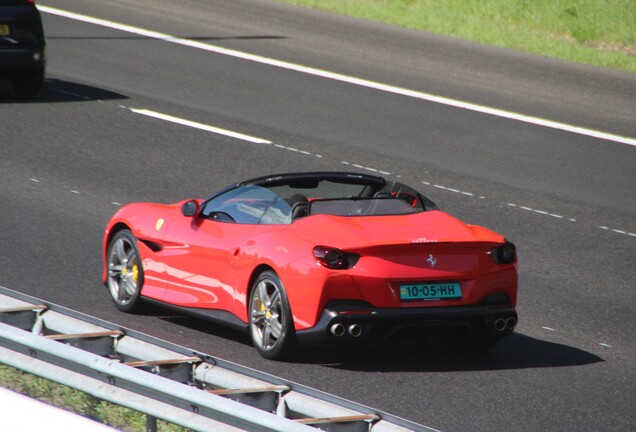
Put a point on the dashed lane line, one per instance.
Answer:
(541, 212)
(201, 126)
(295, 150)
(366, 168)
(617, 231)
(449, 189)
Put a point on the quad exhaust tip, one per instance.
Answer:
(505, 324)
(339, 330)
(355, 330)
(500, 324)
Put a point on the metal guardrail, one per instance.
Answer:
(166, 381)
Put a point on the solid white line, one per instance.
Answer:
(201, 126)
(343, 78)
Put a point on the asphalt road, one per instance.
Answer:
(567, 200)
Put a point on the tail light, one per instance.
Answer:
(334, 258)
(504, 254)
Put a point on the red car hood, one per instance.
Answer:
(363, 231)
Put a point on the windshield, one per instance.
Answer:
(248, 205)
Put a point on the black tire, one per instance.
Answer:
(28, 84)
(271, 323)
(125, 274)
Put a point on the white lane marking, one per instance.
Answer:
(34, 180)
(605, 345)
(541, 212)
(617, 231)
(470, 194)
(305, 152)
(453, 190)
(366, 168)
(201, 126)
(548, 328)
(214, 129)
(343, 78)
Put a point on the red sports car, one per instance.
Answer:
(313, 258)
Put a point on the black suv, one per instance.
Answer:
(22, 46)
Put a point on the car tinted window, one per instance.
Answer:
(323, 189)
(361, 207)
(248, 205)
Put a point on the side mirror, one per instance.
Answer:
(190, 208)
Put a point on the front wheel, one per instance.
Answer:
(125, 273)
(271, 324)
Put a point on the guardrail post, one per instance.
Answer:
(151, 423)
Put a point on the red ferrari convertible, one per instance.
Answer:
(314, 258)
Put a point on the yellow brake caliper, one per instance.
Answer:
(135, 272)
(268, 314)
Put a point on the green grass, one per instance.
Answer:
(76, 401)
(596, 32)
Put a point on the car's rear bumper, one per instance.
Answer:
(344, 323)
(21, 59)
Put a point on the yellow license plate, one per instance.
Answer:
(5, 30)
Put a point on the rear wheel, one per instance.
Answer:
(271, 324)
(125, 273)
